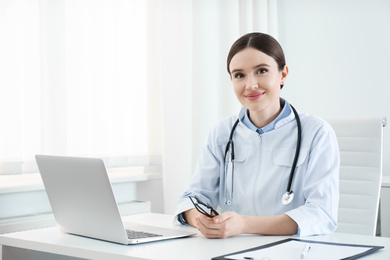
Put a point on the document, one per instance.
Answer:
(291, 249)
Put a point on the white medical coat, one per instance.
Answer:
(262, 169)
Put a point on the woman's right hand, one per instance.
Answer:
(191, 215)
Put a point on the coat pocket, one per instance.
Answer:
(285, 157)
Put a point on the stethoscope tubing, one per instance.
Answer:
(230, 142)
(297, 150)
(230, 145)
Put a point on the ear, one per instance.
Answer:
(284, 74)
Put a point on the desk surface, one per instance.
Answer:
(51, 240)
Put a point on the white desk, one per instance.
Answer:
(51, 240)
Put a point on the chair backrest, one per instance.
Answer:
(361, 148)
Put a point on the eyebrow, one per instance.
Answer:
(255, 67)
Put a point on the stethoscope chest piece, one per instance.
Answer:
(287, 197)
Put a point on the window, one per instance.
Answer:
(73, 81)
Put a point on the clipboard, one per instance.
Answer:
(290, 249)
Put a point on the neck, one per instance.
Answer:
(264, 117)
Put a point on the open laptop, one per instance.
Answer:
(83, 202)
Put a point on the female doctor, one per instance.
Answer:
(274, 172)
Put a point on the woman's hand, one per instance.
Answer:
(190, 217)
(230, 224)
(227, 224)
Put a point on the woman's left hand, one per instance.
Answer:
(227, 224)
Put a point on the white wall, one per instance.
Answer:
(338, 53)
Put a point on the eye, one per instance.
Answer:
(238, 75)
(262, 71)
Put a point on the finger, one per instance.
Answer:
(211, 230)
(209, 233)
(222, 217)
(206, 226)
(206, 221)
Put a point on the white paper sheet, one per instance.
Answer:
(292, 250)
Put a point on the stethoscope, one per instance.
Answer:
(288, 196)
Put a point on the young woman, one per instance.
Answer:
(269, 170)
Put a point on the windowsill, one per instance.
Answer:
(33, 181)
(43, 220)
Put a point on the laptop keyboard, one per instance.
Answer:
(131, 234)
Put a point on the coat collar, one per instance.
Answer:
(278, 124)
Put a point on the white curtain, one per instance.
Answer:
(120, 79)
(74, 81)
(195, 38)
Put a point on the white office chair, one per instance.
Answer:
(361, 148)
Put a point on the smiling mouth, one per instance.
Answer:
(254, 96)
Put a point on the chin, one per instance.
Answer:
(255, 107)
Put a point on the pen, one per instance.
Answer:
(305, 249)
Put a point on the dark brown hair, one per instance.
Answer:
(262, 42)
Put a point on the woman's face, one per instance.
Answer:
(256, 81)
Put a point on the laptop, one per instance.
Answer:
(83, 202)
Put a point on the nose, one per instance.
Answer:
(251, 82)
